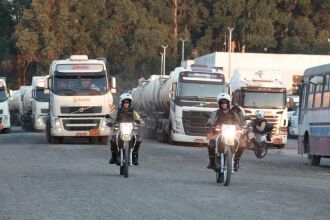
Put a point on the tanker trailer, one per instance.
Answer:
(26, 119)
(13, 102)
(178, 106)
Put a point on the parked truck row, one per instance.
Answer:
(178, 105)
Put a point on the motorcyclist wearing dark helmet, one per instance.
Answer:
(125, 113)
(223, 115)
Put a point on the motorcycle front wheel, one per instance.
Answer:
(228, 157)
(127, 157)
(261, 150)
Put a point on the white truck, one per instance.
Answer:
(5, 126)
(35, 105)
(178, 106)
(79, 98)
(269, 96)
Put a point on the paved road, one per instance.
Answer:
(74, 181)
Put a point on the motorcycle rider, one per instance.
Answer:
(259, 125)
(125, 113)
(223, 115)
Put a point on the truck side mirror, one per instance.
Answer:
(228, 88)
(113, 85)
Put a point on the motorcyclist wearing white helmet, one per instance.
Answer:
(223, 115)
(125, 113)
(259, 124)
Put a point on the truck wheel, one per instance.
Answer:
(93, 140)
(314, 160)
(56, 140)
(6, 130)
(104, 140)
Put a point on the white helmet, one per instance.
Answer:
(222, 96)
(125, 96)
(260, 114)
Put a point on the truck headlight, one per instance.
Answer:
(103, 125)
(58, 124)
(178, 126)
(40, 120)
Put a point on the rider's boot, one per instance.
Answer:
(135, 156)
(211, 150)
(114, 157)
(236, 164)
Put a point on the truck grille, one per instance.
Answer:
(44, 110)
(1, 111)
(81, 109)
(0, 120)
(194, 123)
(80, 124)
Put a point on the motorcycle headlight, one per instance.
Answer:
(229, 131)
(126, 128)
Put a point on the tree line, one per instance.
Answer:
(131, 33)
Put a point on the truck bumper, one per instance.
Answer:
(293, 131)
(279, 139)
(79, 127)
(189, 139)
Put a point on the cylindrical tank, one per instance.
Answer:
(27, 100)
(151, 95)
(14, 100)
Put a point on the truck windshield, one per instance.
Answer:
(200, 90)
(41, 96)
(268, 100)
(84, 84)
(3, 95)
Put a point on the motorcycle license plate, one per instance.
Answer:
(94, 132)
(126, 137)
(277, 141)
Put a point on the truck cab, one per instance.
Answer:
(270, 97)
(5, 125)
(39, 103)
(79, 98)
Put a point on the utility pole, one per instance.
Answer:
(161, 63)
(164, 58)
(230, 29)
(182, 40)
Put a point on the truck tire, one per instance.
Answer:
(104, 140)
(93, 140)
(56, 140)
(6, 130)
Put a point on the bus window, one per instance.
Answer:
(326, 94)
(310, 96)
(318, 96)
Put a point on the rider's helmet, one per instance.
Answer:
(260, 114)
(224, 97)
(125, 97)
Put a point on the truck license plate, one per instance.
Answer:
(199, 140)
(94, 132)
(277, 141)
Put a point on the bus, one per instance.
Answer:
(314, 114)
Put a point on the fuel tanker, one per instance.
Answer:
(178, 106)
